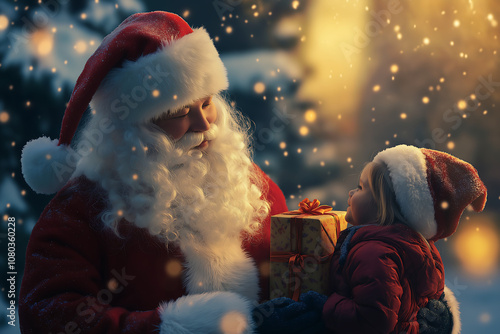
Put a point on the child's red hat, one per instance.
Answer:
(432, 188)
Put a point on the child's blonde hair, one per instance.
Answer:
(383, 194)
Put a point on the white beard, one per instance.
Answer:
(200, 200)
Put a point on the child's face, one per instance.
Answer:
(362, 208)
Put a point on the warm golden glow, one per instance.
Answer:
(113, 284)
(304, 130)
(310, 116)
(4, 22)
(462, 104)
(259, 87)
(173, 268)
(476, 245)
(4, 117)
(42, 42)
(233, 323)
(337, 60)
(80, 47)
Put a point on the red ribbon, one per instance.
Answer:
(296, 259)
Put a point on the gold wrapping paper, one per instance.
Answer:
(294, 271)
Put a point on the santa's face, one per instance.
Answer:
(182, 188)
(194, 118)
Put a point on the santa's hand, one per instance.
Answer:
(284, 315)
(214, 312)
(435, 318)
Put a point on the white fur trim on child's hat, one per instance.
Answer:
(408, 172)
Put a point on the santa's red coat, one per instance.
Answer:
(389, 273)
(81, 278)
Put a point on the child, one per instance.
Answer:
(386, 268)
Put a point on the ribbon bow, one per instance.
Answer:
(312, 208)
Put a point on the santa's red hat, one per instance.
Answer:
(432, 188)
(150, 64)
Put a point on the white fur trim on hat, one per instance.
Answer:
(215, 312)
(183, 71)
(408, 172)
(452, 302)
(47, 167)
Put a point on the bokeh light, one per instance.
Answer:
(42, 42)
(4, 22)
(477, 245)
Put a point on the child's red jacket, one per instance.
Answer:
(380, 277)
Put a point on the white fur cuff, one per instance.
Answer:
(211, 313)
(452, 302)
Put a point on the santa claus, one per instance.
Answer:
(161, 220)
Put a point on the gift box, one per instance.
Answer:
(302, 243)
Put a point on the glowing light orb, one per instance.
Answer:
(485, 318)
(425, 100)
(113, 284)
(394, 68)
(310, 116)
(42, 42)
(477, 249)
(4, 22)
(259, 87)
(462, 104)
(4, 117)
(233, 322)
(173, 268)
(303, 130)
(80, 47)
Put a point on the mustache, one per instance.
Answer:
(192, 139)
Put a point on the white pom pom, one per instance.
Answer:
(46, 166)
